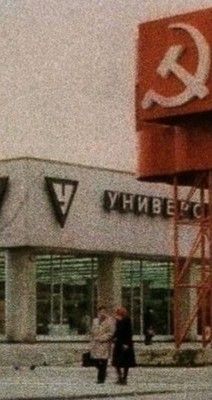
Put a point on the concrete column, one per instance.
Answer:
(188, 301)
(109, 281)
(20, 296)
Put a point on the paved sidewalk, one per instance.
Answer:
(79, 383)
(69, 354)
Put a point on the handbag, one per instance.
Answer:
(87, 360)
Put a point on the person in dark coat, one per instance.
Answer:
(123, 356)
(148, 326)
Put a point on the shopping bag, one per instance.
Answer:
(87, 360)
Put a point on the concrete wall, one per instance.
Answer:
(66, 354)
(28, 219)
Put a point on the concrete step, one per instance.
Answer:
(70, 354)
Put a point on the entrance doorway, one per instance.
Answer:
(2, 294)
(149, 284)
(67, 294)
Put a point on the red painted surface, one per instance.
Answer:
(155, 39)
(166, 150)
(176, 140)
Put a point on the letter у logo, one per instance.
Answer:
(174, 67)
(195, 85)
(61, 193)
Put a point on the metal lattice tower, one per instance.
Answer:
(200, 248)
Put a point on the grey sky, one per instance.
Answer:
(68, 74)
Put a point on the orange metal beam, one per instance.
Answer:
(202, 242)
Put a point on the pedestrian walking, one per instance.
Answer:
(149, 324)
(101, 340)
(123, 352)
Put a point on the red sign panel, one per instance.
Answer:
(175, 66)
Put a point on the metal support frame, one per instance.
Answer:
(199, 253)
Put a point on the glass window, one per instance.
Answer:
(66, 294)
(132, 292)
(148, 284)
(2, 293)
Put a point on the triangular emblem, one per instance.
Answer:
(61, 192)
(3, 186)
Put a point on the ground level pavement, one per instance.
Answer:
(150, 383)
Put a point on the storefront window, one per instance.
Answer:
(148, 284)
(2, 294)
(132, 292)
(66, 294)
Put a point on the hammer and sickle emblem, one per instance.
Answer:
(194, 84)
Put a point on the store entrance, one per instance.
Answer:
(149, 284)
(2, 295)
(67, 294)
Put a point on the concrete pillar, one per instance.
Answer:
(188, 301)
(20, 291)
(109, 281)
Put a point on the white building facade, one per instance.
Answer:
(75, 237)
(67, 131)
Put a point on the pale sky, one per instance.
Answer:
(67, 77)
